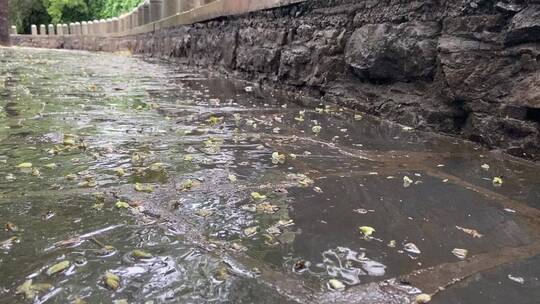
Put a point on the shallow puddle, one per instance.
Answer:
(161, 184)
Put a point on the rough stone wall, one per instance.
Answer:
(470, 68)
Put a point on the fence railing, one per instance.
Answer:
(152, 15)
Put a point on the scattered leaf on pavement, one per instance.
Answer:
(257, 196)
(59, 267)
(119, 172)
(139, 254)
(472, 232)
(411, 248)
(143, 188)
(250, 231)
(366, 231)
(111, 280)
(519, 280)
(121, 205)
(278, 158)
(9, 226)
(335, 284)
(29, 290)
(460, 253)
(24, 165)
(422, 298)
(407, 181)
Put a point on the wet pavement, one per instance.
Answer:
(123, 179)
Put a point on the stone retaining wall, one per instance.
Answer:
(469, 68)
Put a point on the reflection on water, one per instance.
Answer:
(348, 265)
(196, 189)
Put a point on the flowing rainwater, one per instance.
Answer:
(193, 188)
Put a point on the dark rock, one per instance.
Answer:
(387, 52)
(486, 28)
(475, 70)
(228, 49)
(257, 59)
(525, 26)
(516, 112)
(508, 7)
(294, 63)
(526, 91)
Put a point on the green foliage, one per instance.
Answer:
(66, 11)
(23, 13)
(102, 9)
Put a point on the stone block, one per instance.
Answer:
(97, 27)
(78, 28)
(91, 28)
(525, 26)
(115, 25)
(102, 27)
(387, 52)
(108, 25)
(84, 28)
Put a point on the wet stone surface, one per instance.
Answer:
(122, 179)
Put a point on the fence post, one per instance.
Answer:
(156, 9)
(84, 28)
(102, 27)
(51, 29)
(33, 28)
(140, 15)
(137, 17)
(96, 28)
(114, 25)
(146, 13)
(121, 24)
(42, 30)
(170, 8)
(129, 22)
(187, 5)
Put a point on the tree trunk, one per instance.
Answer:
(4, 23)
